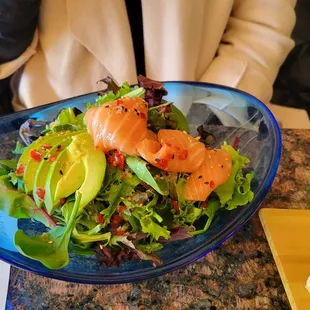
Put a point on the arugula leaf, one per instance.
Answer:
(51, 249)
(22, 206)
(139, 167)
(155, 230)
(10, 164)
(149, 248)
(5, 182)
(19, 149)
(180, 119)
(213, 207)
(85, 238)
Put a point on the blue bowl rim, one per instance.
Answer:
(230, 229)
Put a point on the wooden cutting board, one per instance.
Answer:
(288, 234)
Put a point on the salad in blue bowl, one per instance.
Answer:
(132, 182)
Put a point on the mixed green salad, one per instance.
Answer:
(116, 206)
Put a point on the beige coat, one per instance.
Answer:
(239, 43)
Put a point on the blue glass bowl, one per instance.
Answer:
(228, 113)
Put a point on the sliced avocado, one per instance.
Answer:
(52, 179)
(71, 180)
(44, 166)
(95, 165)
(31, 165)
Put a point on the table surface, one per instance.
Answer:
(241, 274)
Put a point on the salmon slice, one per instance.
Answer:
(214, 172)
(173, 151)
(120, 125)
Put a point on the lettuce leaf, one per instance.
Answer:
(139, 167)
(237, 189)
(155, 230)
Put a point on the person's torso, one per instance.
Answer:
(81, 42)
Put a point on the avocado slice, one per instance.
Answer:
(87, 174)
(31, 165)
(95, 166)
(52, 179)
(44, 166)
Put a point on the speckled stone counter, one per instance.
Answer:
(241, 274)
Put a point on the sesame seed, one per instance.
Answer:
(200, 177)
(50, 242)
(122, 198)
(207, 183)
(106, 106)
(61, 172)
(172, 156)
(126, 110)
(156, 160)
(101, 247)
(58, 147)
(222, 166)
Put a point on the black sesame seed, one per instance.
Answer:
(107, 106)
(126, 110)
(200, 177)
(45, 158)
(60, 171)
(58, 147)
(172, 156)
(207, 183)
(156, 160)
(222, 166)
(136, 110)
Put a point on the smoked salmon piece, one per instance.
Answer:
(173, 151)
(214, 171)
(120, 125)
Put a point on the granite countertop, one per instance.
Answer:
(241, 274)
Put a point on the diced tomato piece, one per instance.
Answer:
(119, 233)
(100, 218)
(53, 157)
(183, 154)
(142, 115)
(116, 220)
(124, 176)
(212, 184)
(46, 147)
(204, 205)
(35, 155)
(121, 209)
(175, 205)
(20, 170)
(120, 160)
(63, 201)
(41, 193)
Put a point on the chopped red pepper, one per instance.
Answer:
(41, 193)
(175, 205)
(63, 201)
(121, 209)
(204, 205)
(212, 184)
(46, 147)
(183, 155)
(35, 155)
(124, 176)
(117, 160)
(53, 158)
(20, 170)
(142, 115)
(119, 233)
(235, 142)
(100, 218)
(116, 220)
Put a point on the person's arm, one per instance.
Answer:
(18, 38)
(254, 45)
